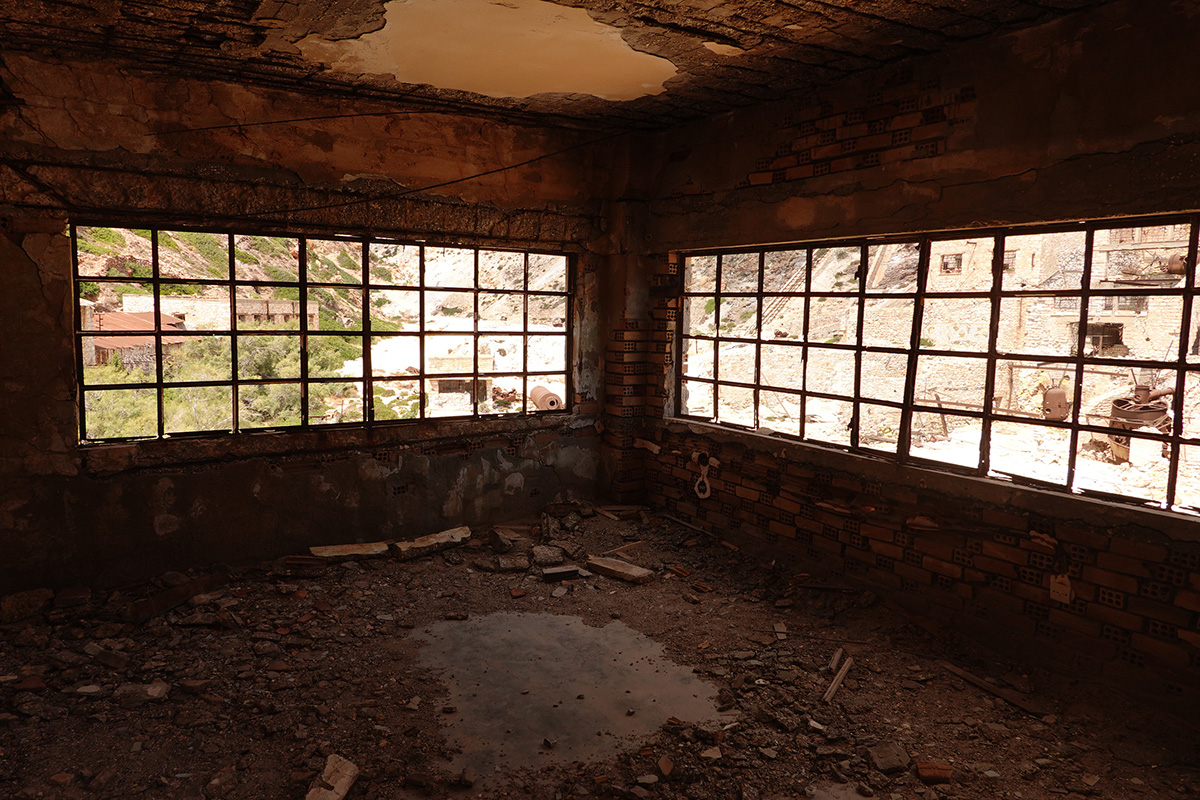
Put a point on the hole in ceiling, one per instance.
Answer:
(514, 48)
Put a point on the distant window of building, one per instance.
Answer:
(952, 264)
(1010, 260)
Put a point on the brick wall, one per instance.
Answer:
(979, 557)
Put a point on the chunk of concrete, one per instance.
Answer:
(513, 562)
(555, 574)
(888, 757)
(18, 606)
(132, 695)
(433, 543)
(616, 568)
(368, 550)
(335, 780)
(547, 556)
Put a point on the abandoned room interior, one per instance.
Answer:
(599, 398)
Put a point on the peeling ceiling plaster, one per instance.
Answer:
(514, 48)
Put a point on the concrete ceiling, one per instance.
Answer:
(591, 63)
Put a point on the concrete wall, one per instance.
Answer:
(98, 141)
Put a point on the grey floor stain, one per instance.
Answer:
(516, 680)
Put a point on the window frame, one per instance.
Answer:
(1003, 263)
(305, 284)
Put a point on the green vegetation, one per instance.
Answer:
(244, 257)
(101, 241)
(142, 232)
(269, 246)
(211, 248)
(348, 263)
(167, 242)
(89, 290)
(280, 274)
(451, 311)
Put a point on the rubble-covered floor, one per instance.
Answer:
(248, 689)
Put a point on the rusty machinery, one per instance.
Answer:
(1145, 407)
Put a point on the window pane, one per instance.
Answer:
(1190, 427)
(1045, 261)
(501, 312)
(783, 317)
(878, 427)
(199, 358)
(952, 383)
(395, 400)
(120, 359)
(700, 274)
(547, 353)
(446, 355)
(195, 307)
(339, 308)
(828, 420)
(501, 353)
(830, 371)
(115, 252)
(449, 267)
(505, 395)
(779, 412)
(335, 356)
(273, 308)
(449, 311)
(449, 397)
(1154, 256)
(696, 399)
(197, 408)
(269, 358)
(1021, 387)
(883, 376)
(835, 269)
(501, 270)
(275, 405)
(1124, 465)
(739, 272)
(1042, 325)
(334, 403)
(255, 258)
(698, 358)
(893, 267)
(547, 312)
(334, 261)
(120, 413)
(833, 320)
(1030, 451)
(395, 309)
(956, 324)
(783, 366)
(887, 323)
(547, 273)
(700, 316)
(395, 355)
(97, 298)
(735, 405)
(547, 393)
(948, 438)
(394, 264)
(783, 271)
(960, 265)
(1187, 490)
(735, 362)
(739, 317)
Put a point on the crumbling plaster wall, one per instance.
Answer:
(89, 139)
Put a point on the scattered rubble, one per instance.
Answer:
(298, 678)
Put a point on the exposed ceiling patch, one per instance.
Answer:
(514, 48)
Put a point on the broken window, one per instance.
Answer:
(1063, 356)
(195, 331)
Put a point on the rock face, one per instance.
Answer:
(888, 757)
(368, 550)
(335, 781)
(17, 606)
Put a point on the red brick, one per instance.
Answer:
(887, 549)
(996, 566)
(1005, 552)
(784, 504)
(1137, 550)
(866, 556)
(877, 532)
(937, 549)
(1027, 591)
(884, 578)
(941, 567)
(1074, 622)
(1143, 607)
(1112, 580)
(1123, 564)
(1112, 616)
(830, 545)
(1002, 600)
(780, 529)
(913, 573)
(1188, 599)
